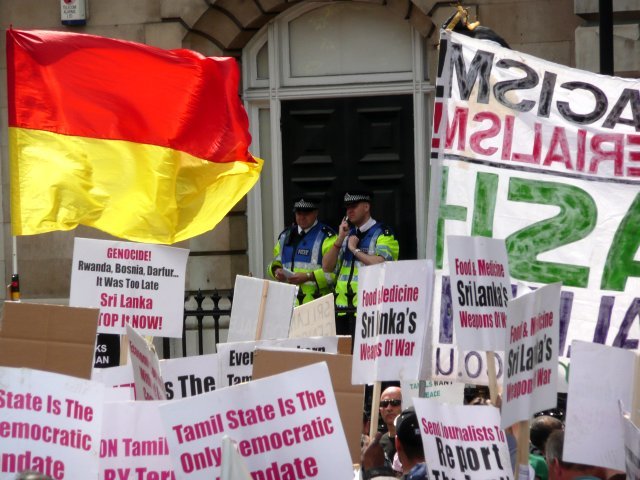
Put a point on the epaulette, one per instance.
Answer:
(386, 230)
(328, 231)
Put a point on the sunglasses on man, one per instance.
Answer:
(394, 403)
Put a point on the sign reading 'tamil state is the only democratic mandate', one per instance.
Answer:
(135, 284)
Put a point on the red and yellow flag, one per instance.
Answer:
(143, 143)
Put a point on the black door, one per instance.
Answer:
(332, 145)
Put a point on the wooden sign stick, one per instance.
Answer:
(493, 379)
(263, 303)
(375, 409)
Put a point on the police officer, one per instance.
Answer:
(297, 256)
(361, 240)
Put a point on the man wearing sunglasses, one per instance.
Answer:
(390, 408)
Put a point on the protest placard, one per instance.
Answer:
(264, 311)
(51, 424)
(134, 444)
(549, 169)
(463, 442)
(442, 391)
(120, 378)
(314, 319)
(54, 338)
(394, 299)
(189, 376)
(631, 446)
(531, 346)
(235, 359)
(285, 426)
(133, 284)
(146, 368)
(593, 430)
(480, 279)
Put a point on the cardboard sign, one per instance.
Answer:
(441, 391)
(249, 321)
(515, 164)
(135, 284)
(481, 288)
(531, 378)
(593, 431)
(236, 359)
(285, 426)
(53, 338)
(349, 397)
(394, 299)
(146, 368)
(51, 424)
(462, 442)
(134, 444)
(314, 319)
(189, 376)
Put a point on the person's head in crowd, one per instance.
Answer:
(306, 212)
(541, 428)
(560, 470)
(408, 439)
(358, 206)
(390, 407)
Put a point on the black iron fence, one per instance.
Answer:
(211, 310)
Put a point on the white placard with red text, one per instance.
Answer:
(480, 290)
(135, 284)
(146, 368)
(51, 424)
(394, 299)
(189, 376)
(531, 351)
(134, 444)
(285, 426)
(462, 441)
(235, 359)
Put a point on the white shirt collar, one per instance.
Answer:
(307, 230)
(367, 225)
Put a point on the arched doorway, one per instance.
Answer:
(345, 85)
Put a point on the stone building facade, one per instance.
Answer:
(300, 59)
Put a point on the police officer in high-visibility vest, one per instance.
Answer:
(361, 240)
(297, 256)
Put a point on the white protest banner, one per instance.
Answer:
(545, 157)
(189, 376)
(51, 424)
(391, 324)
(593, 431)
(442, 391)
(631, 446)
(480, 278)
(135, 284)
(235, 359)
(285, 426)
(116, 378)
(531, 346)
(146, 368)
(463, 442)
(314, 319)
(134, 444)
(276, 299)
